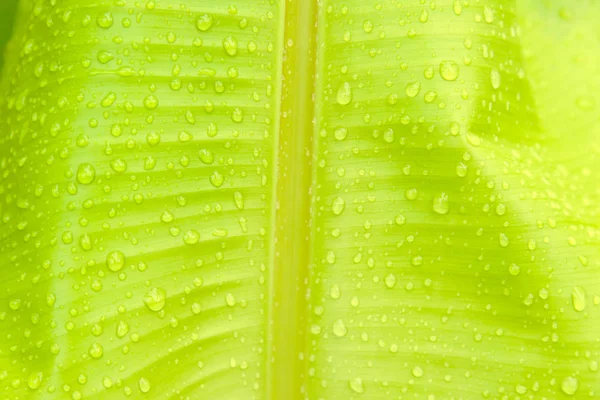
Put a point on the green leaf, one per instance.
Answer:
(7, 14)
(290, 200)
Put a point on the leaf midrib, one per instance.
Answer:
(291, 252)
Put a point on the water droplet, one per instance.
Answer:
(237, 115)
(151, 102)
(457, 7)
(339, 328)
(411, 194)
(461, 169)
(514, 269)
(217, 179)
(96, 351)
(238, 199)
(230, 45)
(35, 380)
(400, 219)
(344, 94)
(230, 299)
(119, 165)
(122, 329)
(206, 156)
(153, 138)
(503, 239)
(335, 292)
(413, 88)
(115, 260)
(488, 14)
(441, 204)
(144, 385)
(191, 237)
(105, 20)
(389, 136)
(495, 78)
(430, 97)
(86, 173)
(449, 70)
(500, 209)
(390, 281)
(212, 129)
(14, 304)
(417, 371)
(340, 133)
(338, 206)
(155, 299)
(569, 385)
(578, 298)
(166, 217)
(357, 385)
(204, 22)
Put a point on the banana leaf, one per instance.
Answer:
(269, 199)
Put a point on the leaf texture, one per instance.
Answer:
(300, 200)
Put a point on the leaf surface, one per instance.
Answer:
(286, 200)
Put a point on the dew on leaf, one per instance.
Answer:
(344, 94)
(155, 299)
(449, 70)
(115, 260)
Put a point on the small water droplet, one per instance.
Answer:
(105, 20)
(578, 298)
(390, 281)
(569, 385)
(441, 204)
(217, 179)
(155, 299)
(206, 156)
(191, 237)
(35, 380)
(357, 385)
(413, 88)
(96, 351)
(115, 260)
(151, 102)
(144, 385)
(340, 133)
(514, 269)
(449, 70)
(204, 22)
(495, 78)
(344, 94)
(122, 329)
(338, 206)
(86, 173)
(417, 371)
(230, 45)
